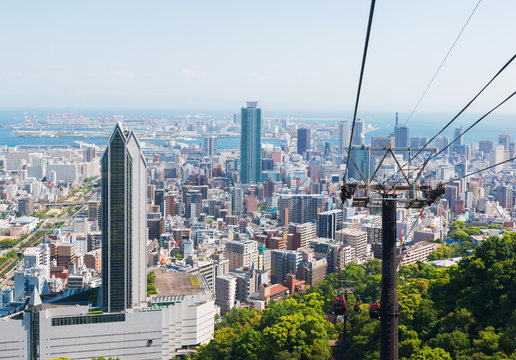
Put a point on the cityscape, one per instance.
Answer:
(254, 233)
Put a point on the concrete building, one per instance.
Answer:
(354, 237)
(328, 222)
(26, 206)
(312, 271)
(242, 254)
(284, 262)
(300, 209)
(36, 256)
(418, 252)
(226, 293)
(300, 234)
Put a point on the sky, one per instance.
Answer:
(288, 55)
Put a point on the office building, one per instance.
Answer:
(358, 133)
(193, 204)
(26, 206)
(242, 254)
(299, 209)
(300, 235)
(498, 155)
(124, 252)
(344, 133)
(303, 140)
(210, 146)
(360, 158)
(328, 223)
(504, 140)
(354, 237)
(441, 142)
(312, 271)
(36, 256)
(225, 293)
(251, 144)
(401, 138)
(283, 263)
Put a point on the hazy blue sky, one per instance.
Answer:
(285, 54)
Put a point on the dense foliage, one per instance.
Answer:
(463, 312)
(151, 286)
(289, 329)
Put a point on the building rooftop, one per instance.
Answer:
(173, 283)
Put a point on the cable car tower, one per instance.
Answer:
(411, 193)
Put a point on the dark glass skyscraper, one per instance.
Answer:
(251, 144)
(401, 139)
(303, 140)
(124, 251)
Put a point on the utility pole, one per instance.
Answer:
(389, 298)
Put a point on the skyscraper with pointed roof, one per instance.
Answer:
(123, 192)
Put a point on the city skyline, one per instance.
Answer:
(316, 52)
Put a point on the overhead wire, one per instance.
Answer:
(478, 171)
(422, 166)
(364, 56)
(442, 62)
(458, 114)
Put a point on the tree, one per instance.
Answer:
(443, 252)
(428, 353)
(460, 235)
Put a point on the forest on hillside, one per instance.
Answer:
(463, 312)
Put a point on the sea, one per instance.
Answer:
(423, 124)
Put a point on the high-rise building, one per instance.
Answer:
(237, 201)
(328, 223)
(242, 254)
(124, 251)
(360, 158)
(26, 206)
(170, 205)
(344, 133)
(284, 262)
(418, 141)
(381, 142)
(485, 146)
(354, 237)
(457, 134)
(226, 292)
(441, 142)
(303, 140)
(193, 204)
(300, 235)
(89, 153)
(210, 146)
(401, 139)
(499, 154)
(359, 133)
(251, 144)
(505, 140)
(300, 209)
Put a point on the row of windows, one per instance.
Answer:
(88, 319)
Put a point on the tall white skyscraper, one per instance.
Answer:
(344, 133)
(124, 250)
